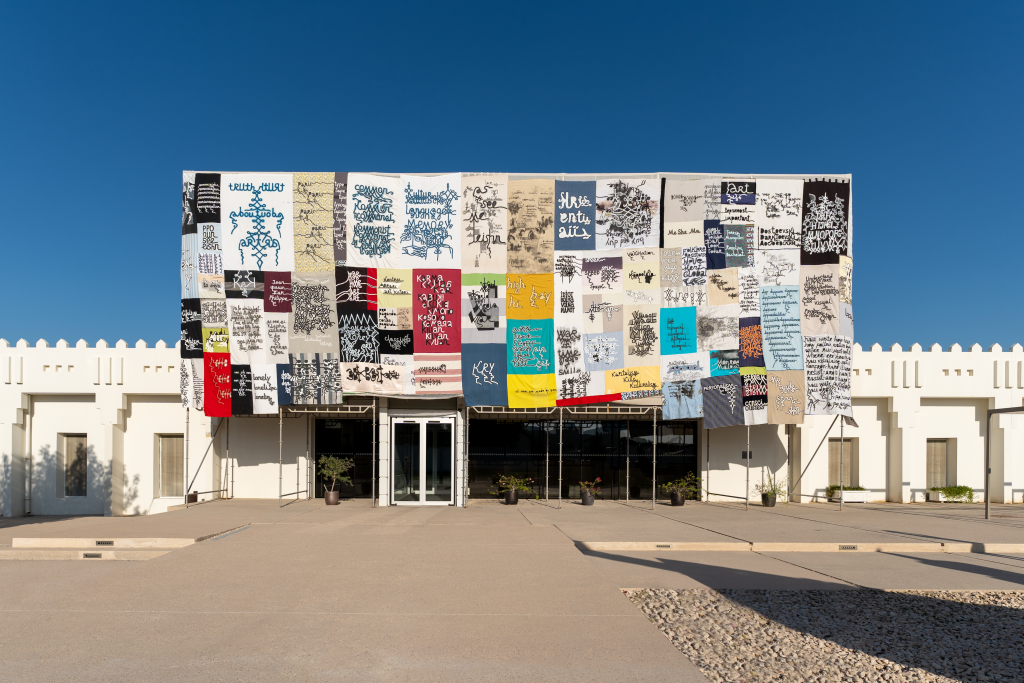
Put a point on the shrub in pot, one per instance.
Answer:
(832, 492)
(681, 489)
(333, 469)
(954, 494)
(511, 485)
(589, 489)
(771, 490)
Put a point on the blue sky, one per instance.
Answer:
(105, 104)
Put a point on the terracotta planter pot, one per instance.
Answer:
(332, 497)
(767, 501)
(677, 499)
(586, 498)
(511, 497)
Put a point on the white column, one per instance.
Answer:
(383, 449)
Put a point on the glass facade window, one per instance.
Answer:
(346, 438)
(76, 458)
(614, 450)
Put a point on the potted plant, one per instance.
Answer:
(951, 494)
(511, 485)
(588, 489)
(850, 494)
(681, 489)
(333, 469)
(771, 490)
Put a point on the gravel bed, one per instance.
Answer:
(849, 635)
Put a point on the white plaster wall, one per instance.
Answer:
(253, 448)
(50, 417)
(872, 434)
(148, 416)
(901, 398)
(951, 418)
(728, 471)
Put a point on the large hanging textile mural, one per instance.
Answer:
(727, 298)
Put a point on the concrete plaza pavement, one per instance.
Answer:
(488, 592)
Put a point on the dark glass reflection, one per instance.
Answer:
(438, 475)
(407, 461)
(590, 449)
(346, 439)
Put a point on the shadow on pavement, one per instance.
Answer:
(30, 520)
(716, 575)
(942, 635)
(956, 565)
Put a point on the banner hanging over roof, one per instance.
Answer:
(725, 297)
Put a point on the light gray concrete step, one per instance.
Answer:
(101, 543)
(92, 555)
(704, 546)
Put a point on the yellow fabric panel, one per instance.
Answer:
(531, 391)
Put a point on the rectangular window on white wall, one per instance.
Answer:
(847, 458)
(937, 454)
(74, 466)
(172, 465)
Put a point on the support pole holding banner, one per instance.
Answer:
(373, 458)
(186, 458)
(842, 423)
(988, 469)
(280, 449)
(309, 488)
(560, 411)
(627, 459)
(707, 464)
(654, 460)
(465, 460)
(746, 497)
(547, 458)
(227, 452)
(190, 484)
(988, 461)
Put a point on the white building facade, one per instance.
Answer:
(101, 430)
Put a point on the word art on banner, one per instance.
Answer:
(436, 324)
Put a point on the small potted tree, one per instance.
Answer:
(681, 489)
(771, 490)
(511, 485)
(589, 489)
(333, 469)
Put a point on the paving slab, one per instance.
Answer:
(611, 521)
(286, 599)
(188, 646)
(915, 571)
(921, 522)
(718, 570)
(196, 522)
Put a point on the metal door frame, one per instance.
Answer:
(422, 421)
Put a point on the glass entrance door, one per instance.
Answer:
(422, 461)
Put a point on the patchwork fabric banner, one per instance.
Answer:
(484, 211)
(191, 375)
(374, 215)
(437, 331)
(531, 226)
(530, 340)
(313, 221)
(259, 233)
(724, 298)
(431, 234)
